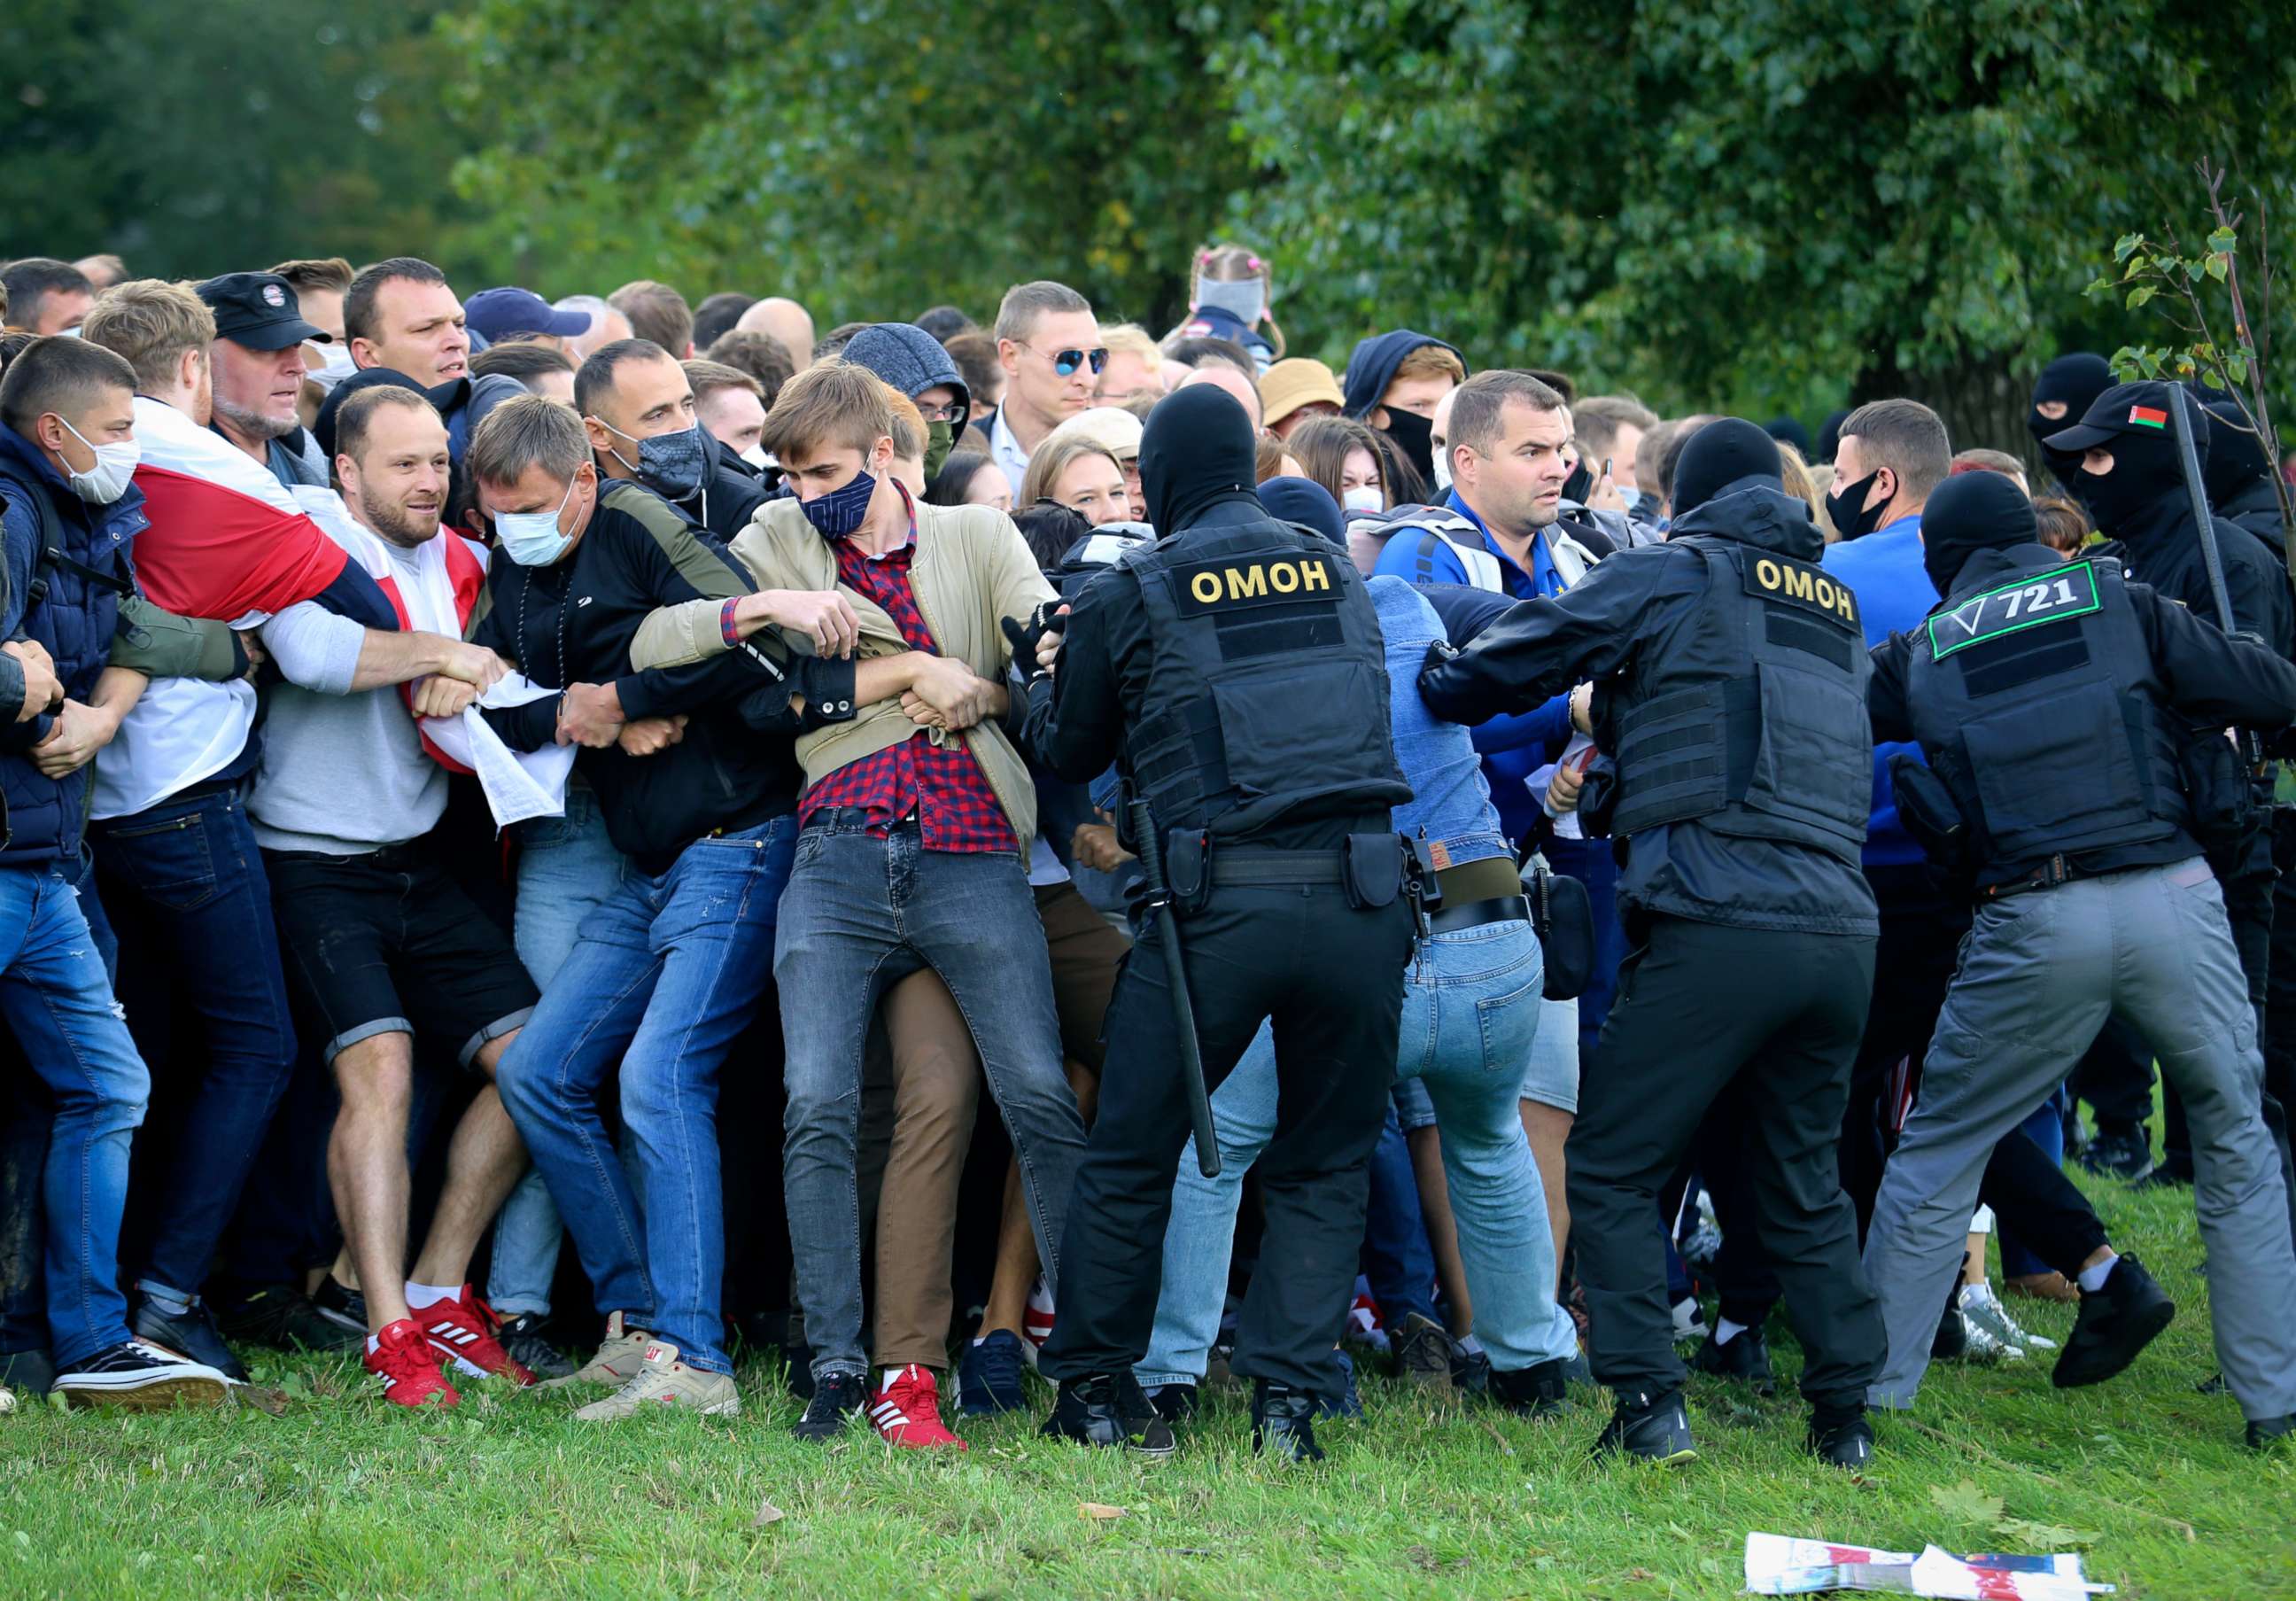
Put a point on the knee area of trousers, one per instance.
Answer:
(827, 1113)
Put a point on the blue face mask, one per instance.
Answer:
(670, 462)
(840, 512)
(532, 538)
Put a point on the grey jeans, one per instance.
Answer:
(2039, 974)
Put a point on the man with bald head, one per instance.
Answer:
(1236, 384)
(607, 326)
(786, 321)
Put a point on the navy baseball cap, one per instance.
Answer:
(501, 314)
(259, 310)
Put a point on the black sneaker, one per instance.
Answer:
(2124, 1154)
(1470, 1370)
(1283, 1423)
(1841, 1437)
(1538, 1391)
(1652, 1428)
(1175, 1403)
(192, 1333)
(283, 1318)
(133, 1374)
(1422, 1352)
(2112, 1325)
(341, 1305)
(522, 1337)
(1743, 1358)
(2271, 1434)
(1093, 1411)
(837, 1401)
(28, 1371)
(2171, 1173)
(1951, 1342)
(988, 1375)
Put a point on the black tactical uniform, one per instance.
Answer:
(1233, 673)
(2143, 504)
(1735, 669)
(2072, 724)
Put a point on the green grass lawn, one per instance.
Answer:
(508, 1496)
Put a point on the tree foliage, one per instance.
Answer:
(1762, 204)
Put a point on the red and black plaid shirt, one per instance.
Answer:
(943, 786)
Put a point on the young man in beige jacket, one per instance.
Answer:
(914, 820)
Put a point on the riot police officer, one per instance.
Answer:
(1233, 670)
(2055, 703)
(1732, 696)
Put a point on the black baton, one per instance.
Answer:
(1159, 903)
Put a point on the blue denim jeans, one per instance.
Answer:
(1470, 1013)
(187, 880)
(1397, 1261)
(567, 869)
(668, 973)
(862, 913)
(55, 999)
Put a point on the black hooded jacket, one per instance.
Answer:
(1632, 602)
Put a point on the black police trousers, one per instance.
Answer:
(1771, 1020)
(1330, 978)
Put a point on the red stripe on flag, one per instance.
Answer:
(213, 552)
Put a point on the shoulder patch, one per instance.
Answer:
(1254, 581)
(2029, 602)
(1774, 577)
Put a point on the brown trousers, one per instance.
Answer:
(937, 1079)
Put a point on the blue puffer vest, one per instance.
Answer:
(71, 614)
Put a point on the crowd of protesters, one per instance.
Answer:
(473, 765)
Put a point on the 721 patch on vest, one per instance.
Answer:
(1798, 583)
(2058, 597)
(1254, 581)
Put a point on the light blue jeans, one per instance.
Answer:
(1471, 1014)
(567, 869)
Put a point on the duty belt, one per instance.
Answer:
(1238, 869)
(2048, 875)
(1475, 914)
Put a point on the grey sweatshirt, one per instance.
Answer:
(341, 773)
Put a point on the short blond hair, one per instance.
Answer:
(1428, 361)
(835, 404)
(1131, 339)
(150, 323)
(909, 433)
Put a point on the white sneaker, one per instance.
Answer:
(618, 1358)
(664, 1381)
(1689, 1320)
(1981, 1308)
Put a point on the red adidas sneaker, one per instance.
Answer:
(906, 1411)
(404, 1360)
(463, 1329)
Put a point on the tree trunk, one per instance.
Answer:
(1984, 404)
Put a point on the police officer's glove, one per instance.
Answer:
(1438, 652)
(1025, 637)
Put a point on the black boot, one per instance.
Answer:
(1745, 1357)
(2270, 1433)
(1654, 1428)
(1539, 1391)
(1283, 1422)
(2113, 1324)
(1093, 1411)
(1841, 1437)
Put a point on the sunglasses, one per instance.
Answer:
(1066, 362)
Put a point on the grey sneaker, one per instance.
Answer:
(1981, 1345)
(1981, 1309)
(619, 1356)
(664, 1381)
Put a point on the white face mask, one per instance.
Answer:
(1364, 497)
(335, 363)
(114, 469)
(756, 457)
(1443, 470)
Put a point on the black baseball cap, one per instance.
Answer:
(2125, 408)
(259, 310)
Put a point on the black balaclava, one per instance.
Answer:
(2144, 473)
(1972, 512)
(1195, 452)
(2076, 380)
(1730, 452)
(2235, 457)
(1788, 430)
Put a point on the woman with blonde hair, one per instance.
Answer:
(1080, 474)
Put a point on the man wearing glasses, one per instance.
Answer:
(1048, 343)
